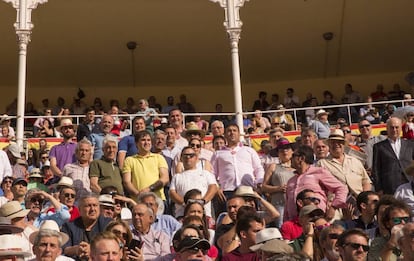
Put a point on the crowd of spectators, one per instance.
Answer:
(162, 191)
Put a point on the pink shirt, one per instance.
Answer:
(321, 181)
(238, 166)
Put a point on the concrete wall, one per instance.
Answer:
(204, 98)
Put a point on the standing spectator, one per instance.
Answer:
(105, 127)
(261, 104)
(390, 158)
(185, 106)
(130, 108)
(145, 171)
(88, 125)
(146, 112)
(321, 124)
(217, 117)
(345, 168)
(5, 167)
(126, 146)
(192, 178)
(291, 100)
(170, 105)
(105, 171)
(318, 179)
(350, 97)
(79, 171)
(236, 165)
(379, 94)
(366, 141)
(6, 122)
(175, 119)
(63, 153)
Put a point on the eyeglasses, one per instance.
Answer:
(45, 157)
(70, 195)
(364, 126)
(189, 155)
(399, 220)
(313, 199)
(347, 131)
(199, 201)
(356, 246)
(120, 234)
(333, 236)
(319, 228)
(7, 181)
(193, 145)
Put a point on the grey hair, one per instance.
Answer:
(47, 233)
(110, 138)
(83, 141)
(87, 195)
(218, 122)
(145, 195)
(157, 132)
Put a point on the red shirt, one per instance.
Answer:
(291, 229)
(74, 213)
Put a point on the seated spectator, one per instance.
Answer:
(82, 230)
(261, 103)
(189, 245)
(38, 124)
(386, 114)
(379, 94)
(321, 124)
(201, 124)
(6, 187)
(36, 180)
(46, 129)
(291, 100)
(121, 230)
(408, 126)
(155, 243)
(328, 99)
(285, 120)
(405, 191)
(34, 201)
(327, 240)
(261, 122)
(353, 243)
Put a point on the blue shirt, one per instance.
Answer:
(167, 224)
(127, 144)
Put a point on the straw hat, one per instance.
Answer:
(12, 245)
(49, 225)
(265, 235)
(106, 200)
(5, 117)
(13, 209)
(65, 182)
(306, 210)
(321, 112)
(192, 127)
(276, 246)
(66, 122)
(35, 173)
(245, 191)
(337, 134)
(15, 150)
(7, 228)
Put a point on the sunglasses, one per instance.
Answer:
(45, 157)
(313, 199)
(67, 127)
(189, 155)
(69, 195)
(364, 126)
(346, 131)
(120, 234)
(199, 201)
(35, 199)
(357, 246)
(399, 220)
(195, 250)
(193, 145)
(118, 202)
(333, 236)
(200, 227)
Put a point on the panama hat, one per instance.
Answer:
(66, 122)
(7, 228)
(12, 245)
(13, 209)
(106, 200)
(337, 134)
(35, 173)
(245, 191)
(265, 235)
(15, 150)
(49, 225)
(192, 127)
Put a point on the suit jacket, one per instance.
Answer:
(389, 171)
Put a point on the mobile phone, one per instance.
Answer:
(135, 243)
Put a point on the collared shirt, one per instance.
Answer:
(321, 181)
(60, 216)
(127, 144)
(145, 170)
(166, 223)
(5, 167)
(396, 146)
(156, 243)
(64, 154)
(107, 172)
(172, 153)
(238, 166)
(80, 176)
(350, 172)
(235, 255)
(405, 193)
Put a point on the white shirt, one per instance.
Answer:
(5, 167)
(192, 179)
(396, 146)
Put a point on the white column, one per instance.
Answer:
(23, 28)
(233, 27)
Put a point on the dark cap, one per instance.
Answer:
(193, 243)
(19, 180)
